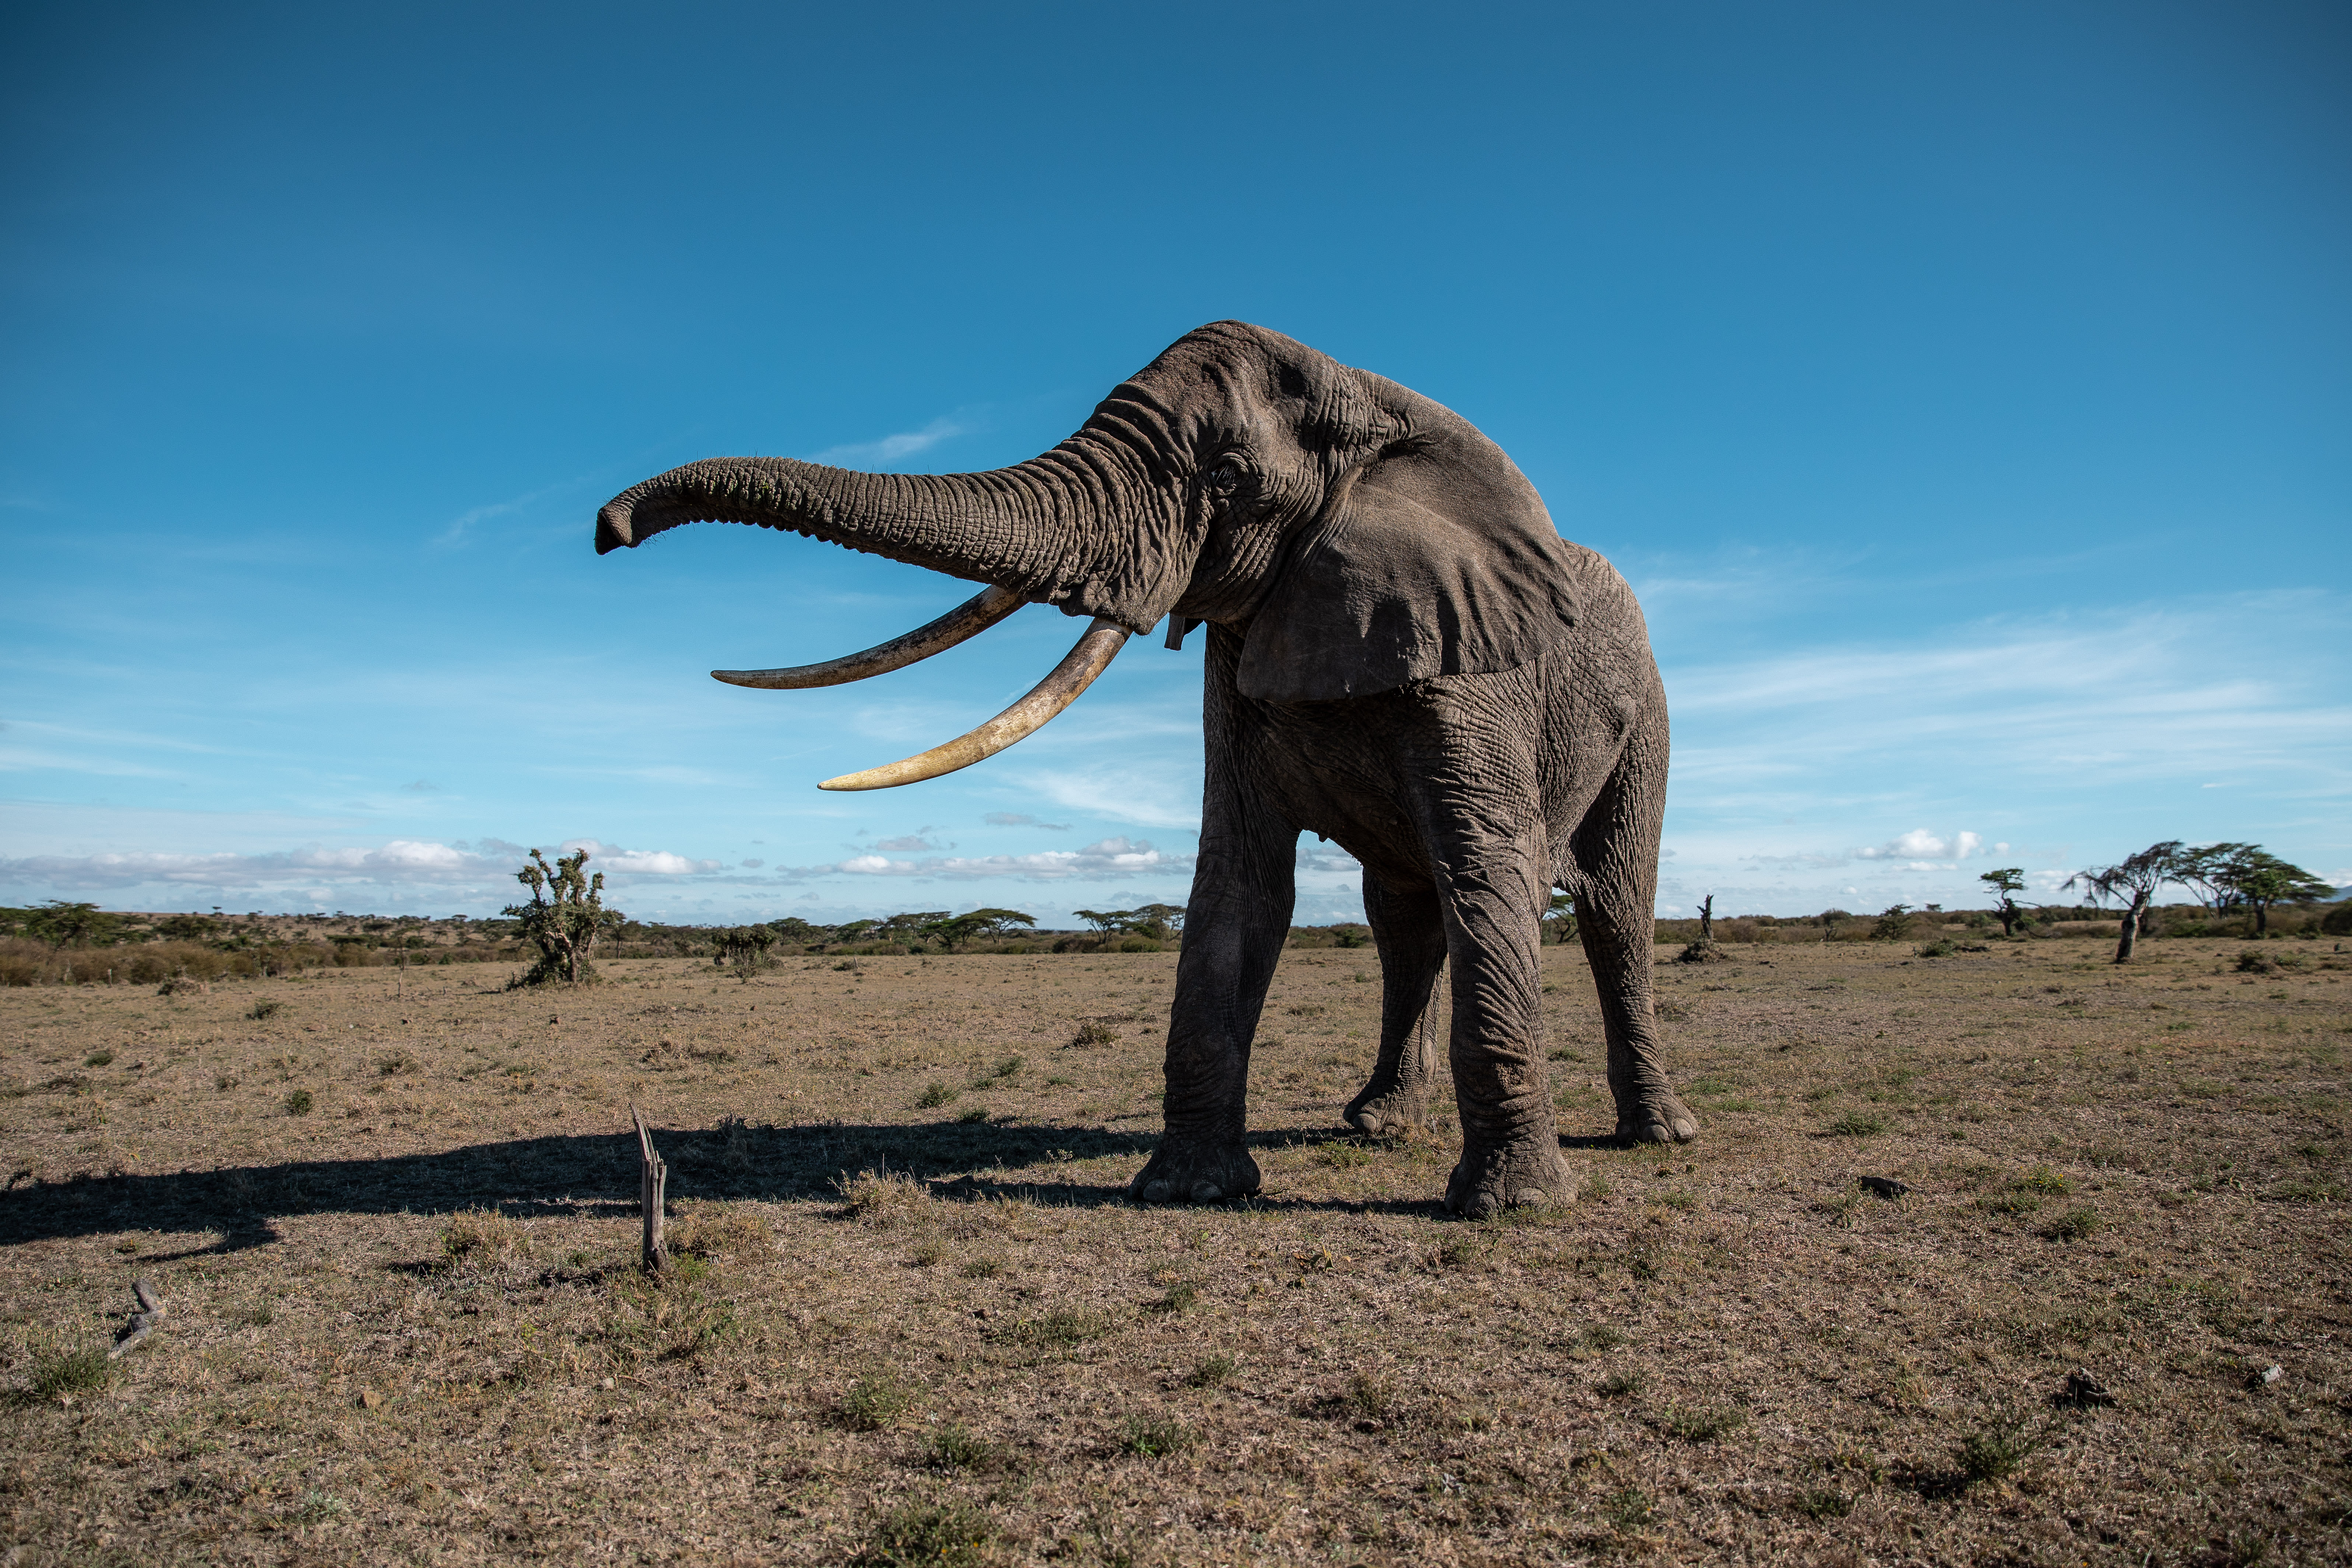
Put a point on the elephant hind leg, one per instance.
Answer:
(1409, 928)
(1615, 849)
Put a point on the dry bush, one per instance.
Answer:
(478, 1237)
(719, 1230)
(884, 1198)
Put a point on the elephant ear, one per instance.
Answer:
(1438, 560)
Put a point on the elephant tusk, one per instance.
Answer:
(967, 620)
(1076, 671)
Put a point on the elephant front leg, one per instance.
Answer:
(1495, 893)
(1410, 931)
(1234, 926)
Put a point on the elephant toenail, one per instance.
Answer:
(1206, 1192)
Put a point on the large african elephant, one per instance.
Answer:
(1404, 656)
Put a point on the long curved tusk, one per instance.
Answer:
(1076, 671)
(967, 620)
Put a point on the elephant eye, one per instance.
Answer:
(1224, 478)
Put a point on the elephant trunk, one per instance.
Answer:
(1093, 527)
(1062, 529)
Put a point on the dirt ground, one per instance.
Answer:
(392, 1217)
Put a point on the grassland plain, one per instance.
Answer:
(912, 1318)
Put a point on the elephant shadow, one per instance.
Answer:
(594, 1175)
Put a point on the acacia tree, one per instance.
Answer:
(2263, 879)
(1561, 917)
(565, 918)
(2007, 881)
(2210, 872)
(952, 933)
(2132, 883)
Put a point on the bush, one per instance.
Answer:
(1858, 1124)
(875, 1402)
(67, 1372)
(937, 1535)
(1154, 1436)
(298, 1103)
(1995, 1453)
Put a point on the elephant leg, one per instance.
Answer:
(1409, 930)
(1235, 923)
(1482, 821)
(1616, 853)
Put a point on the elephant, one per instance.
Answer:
(1404, 656)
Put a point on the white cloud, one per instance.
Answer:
(1023, 819)
(1106, 859)
(1924, 849)
(316, 872)
(890, 449)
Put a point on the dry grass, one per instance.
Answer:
(406, 1323)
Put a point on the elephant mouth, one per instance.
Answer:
(1087, 658)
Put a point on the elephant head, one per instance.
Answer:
(1357, 534)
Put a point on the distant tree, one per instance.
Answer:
(1561, 917)
(909, 926)
(1894, 923)
(1104, 922)
(795, 930)
(2265, 879)
(1157, 921)
(744, 948)
(2131, 882)
(64, 925)
(952, 933)
(1833, 920)
(2008, 881)
(2211, 872)
(1706, 918)
(855, 931)
(565, 917)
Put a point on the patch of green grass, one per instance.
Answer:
(1628, 1509)
(934, 1535)
(936, 1094)
(1995, 1452)
(1705, 1423)
(63, 1374)
(1181, 1296)
(1678, 1199)
(1373, 1395)
(261, 1012)
(1213, 1370)
(300, 1104)
(1711, 1086)
(1822, 1504)
(2042, 1179)
(972, 1116)
(1062, 1327)
(874, 1402)
(2077, 1224)
(1858, 1124)
(98, 1059)
(983, 1268)
(1603, 1336)
(956, 1446)
(1623, 1384)
(1153, 1436)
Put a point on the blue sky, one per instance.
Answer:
(1965, 390)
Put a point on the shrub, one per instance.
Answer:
(955, 1446)
(1706, 1424)
(1995, 1453)
(1942, 947)
(874, 1402)
(1858, 1124)
(298, 1103)
(564, 920)
(937, 1535)
(1153, 1436)
(936, 1095)
(1213, 1371)
(1095, 1032)
(474, 1234)
(62, 1374)
(2075, 1224)
(261, 1012)
(2254, 960)
(883, 1198)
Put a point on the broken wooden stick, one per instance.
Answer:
(143, 1322)
(653, 1184)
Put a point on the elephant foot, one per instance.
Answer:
(1392, 1114)
(1525, 1174)
(1657, 1116)
(1183, 1172)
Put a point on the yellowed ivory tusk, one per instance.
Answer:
(1092, 655)
(969, 620)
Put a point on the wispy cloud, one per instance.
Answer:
(465, 522)
(1023, 819)
(1107, 859)
(397, 863)
(895, 449)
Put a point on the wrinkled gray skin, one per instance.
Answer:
(1403, 655)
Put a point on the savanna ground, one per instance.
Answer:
(913, 1319)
